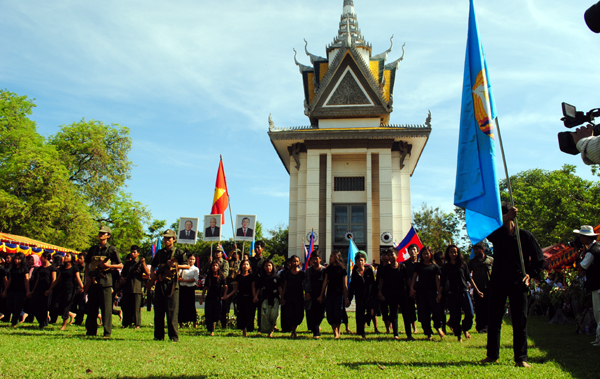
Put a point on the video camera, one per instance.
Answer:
(571, 119)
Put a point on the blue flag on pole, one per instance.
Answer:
(476, 180)
(352, 250)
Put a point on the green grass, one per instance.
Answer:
(554, 351)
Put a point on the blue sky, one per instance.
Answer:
(196, 79)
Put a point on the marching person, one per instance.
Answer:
(480, 267)
(187, 292)
(69, 283)
(361, 286)
(313, 282)
(165, 270)
(393, 292)
(244, 288)
(509, 281)
(337, 292)
(131, 281)
(216, 286)
(591, 265)
(100, 259)
(269, 287)
(455, 275)
(410, 263)
(16, 289)
(293, 295)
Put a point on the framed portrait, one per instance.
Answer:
(212, 227)
(188, 230)
(245, 225)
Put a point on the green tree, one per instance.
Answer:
(277, 243)
(36, 198)
(553, 203)
(95, 156)
(436, 228)
(127, 219)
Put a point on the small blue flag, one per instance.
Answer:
(352, 250)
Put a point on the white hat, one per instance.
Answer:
(586, 230)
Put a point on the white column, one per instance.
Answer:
(329, 227)
(385, 194)
(293, 225)
(312, 192)
(369, 210)
(301, 208)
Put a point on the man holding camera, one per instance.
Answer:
(591, 265)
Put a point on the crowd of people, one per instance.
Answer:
(425, 288)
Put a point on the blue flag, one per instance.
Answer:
(352, 250)
(476, 180)
(157, 247)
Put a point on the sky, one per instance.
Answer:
(194, 80)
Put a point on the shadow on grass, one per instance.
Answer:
(560, 344)
(163, 376)
(357, 365)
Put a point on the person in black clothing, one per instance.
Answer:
(256, 264)
(269, 286)
(413, 251)
(337, 292)
(362, 282)
(165, 270)
(217, 288)
(244, 287)
(68, 282)
(132, 276)
(508, 280)
(481, 270)
(99, 282)
(393, 292)
(455, 275)
(293, 295)
(426, 280)
(313, 282)
(80, 298)
(384, 307)
(16, 290)
(40, 292)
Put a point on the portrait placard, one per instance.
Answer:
(188, 230)
(245, 227)
(212, 227)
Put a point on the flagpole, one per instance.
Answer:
(228, 199)
(512, 200)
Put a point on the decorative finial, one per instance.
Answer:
(301, 66)
(384, 55)
(271, 123)
(348, 34)
(428, 120)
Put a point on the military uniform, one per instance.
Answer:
(166, 296)
(100, 291)
(131, 301)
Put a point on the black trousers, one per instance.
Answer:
(314, 316)
(99, 300)
(166, 304)
(15, 302)
(41, 303)
(428, 308)
(393, 305)
(517, 298)
(362, 315)
(225, 307)
(81, 307)
(481, 311)
(131, 304)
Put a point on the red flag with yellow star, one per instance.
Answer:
(220, 201)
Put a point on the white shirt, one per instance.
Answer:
(190, 273)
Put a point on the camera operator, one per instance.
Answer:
(587, 144)
(591, 265)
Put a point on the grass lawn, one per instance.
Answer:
(554, 351)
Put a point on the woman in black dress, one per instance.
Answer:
(293, 295)
(244, 288)
(216, 286)
(68, 282)
(269, 286)
(361, 286)
(337, 292)
(17, 288)
(40, 294)
(457, 276)
(426, 280)
(393, 284)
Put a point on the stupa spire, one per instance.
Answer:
(348, 30)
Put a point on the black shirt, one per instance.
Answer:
(245, 284)
(394, 281)
(361, 285)
(17, 280)
(336, 276)
(426, 276)
(455, 277)
(270, 287)
(215, 286)
(44, 280)
(133, 272)
(315, 281)
(507, 264)
(68, 278)
(293, 286)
